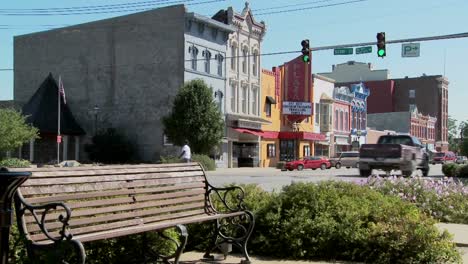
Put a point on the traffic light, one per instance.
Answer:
(381, 45)
(305, 51)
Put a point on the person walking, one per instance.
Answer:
(186, 155)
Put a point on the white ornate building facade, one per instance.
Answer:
(243, 71)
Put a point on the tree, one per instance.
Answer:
(463, 128)
(452, 133)
(195, 117)
(14, 130)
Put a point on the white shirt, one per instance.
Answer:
(187, 153)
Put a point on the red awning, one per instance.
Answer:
(263, 134)
(302, 135)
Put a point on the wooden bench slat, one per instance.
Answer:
(108, 178)
(60, 189)
(199, 199)
(139, 229)
(147, 214)
(110, 167)
(89, 195)
(96, 172)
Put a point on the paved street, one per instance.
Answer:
(271, 178)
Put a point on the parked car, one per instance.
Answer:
(462, 160)
(348, 159)
(308, 163)
(401, 152)
(444, 157)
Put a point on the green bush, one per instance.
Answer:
(450, 170)
(338, 220)
(15, 163)
(207, 163)
(463, 171)
(110, 147)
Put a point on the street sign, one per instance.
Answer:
(410, 49)
(343, 51)
(363, 50)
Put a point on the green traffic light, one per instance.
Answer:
(381, 52)
(305, 58)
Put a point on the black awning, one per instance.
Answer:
(42, 111)
(271, 100)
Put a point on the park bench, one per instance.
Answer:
(71, 206)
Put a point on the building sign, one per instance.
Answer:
(248, 124)
(297, 88)
(297, 108)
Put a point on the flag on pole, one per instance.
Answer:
(62, 90)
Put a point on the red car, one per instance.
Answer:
(444, 157)
(308, 163)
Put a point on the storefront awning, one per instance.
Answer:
(302, 135)
(271, 100)
(263, 134)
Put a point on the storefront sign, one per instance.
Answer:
(248, 124)
(297, 88)
(297, 108)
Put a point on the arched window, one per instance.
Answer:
(336, 119)
(255, 63)
(194, 53)
(245, 53)
(207, 55)
(233, 56)
(220, 60)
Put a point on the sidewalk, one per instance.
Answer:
(459, 232)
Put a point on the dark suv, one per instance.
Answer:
(348, 159)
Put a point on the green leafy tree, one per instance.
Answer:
(195, 117)
(463, 128)
(14, 130)
(452, 133)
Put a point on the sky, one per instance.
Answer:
(340, 24)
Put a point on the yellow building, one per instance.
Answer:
(270, 111)
(283, 139)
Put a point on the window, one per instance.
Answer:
(317, 113)
(244, 100)
(194, 53)
(244, 60)
(207, 60)
(255, 63)
(346, 121)
(341, 121)
(254, 101)
(220, 64)
(271, 150)
(306, 151)
(336, 119)
(412, 93)
(233, 57)
(233, 98)
(268, 109)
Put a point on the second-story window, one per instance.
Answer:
(254, 101)
(207, 60)
(244, 60)
(244, 100)
(233, 57)
(255, 63)
(194, 53)
(336, 119)
(412, 93)
(233, 98)
(220, 64)
(268, 109)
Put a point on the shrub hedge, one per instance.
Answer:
(15, 163)
(455, 170)
(207, 163)
(341, 221)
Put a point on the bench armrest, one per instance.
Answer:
(226, 199)
(40, 213)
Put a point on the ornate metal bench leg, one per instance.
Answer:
(180, 246)
(214, 239)
(245, 239)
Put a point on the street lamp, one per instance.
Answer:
(96, 111)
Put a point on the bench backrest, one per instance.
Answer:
(104, 198)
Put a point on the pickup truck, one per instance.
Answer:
(400, 152)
